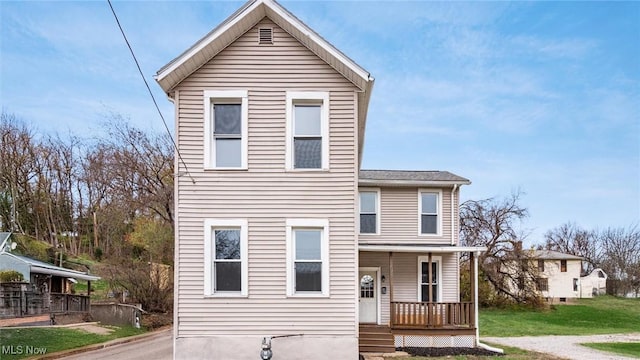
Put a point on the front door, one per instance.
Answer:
(368, 296)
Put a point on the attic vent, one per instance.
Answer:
(265, 36)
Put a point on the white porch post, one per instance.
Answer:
(475, 295)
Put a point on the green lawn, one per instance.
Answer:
(26, 342)
(600, 315)
(628, 348)
(99, 289)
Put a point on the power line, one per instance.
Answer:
(150, 93)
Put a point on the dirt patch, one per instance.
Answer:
(26, 321)
(447, 351)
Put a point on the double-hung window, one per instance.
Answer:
(307, 130)
(563, 265)
(542, 284)
(226, 124)
(429, 278)
(226, 257)
(430, 212)
(307, 257)
(369, 210)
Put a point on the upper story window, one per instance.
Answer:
(307, 130)
(226, 121)
(226, 266)
(430, 212)
(307, 257)
(540, 265)
(369, 212)
(563, 265)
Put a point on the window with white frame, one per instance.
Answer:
(427, 281)
(307, 130)
(307, 257)
(226, 252)
(369, 210)
(226, 121)
(430, 217)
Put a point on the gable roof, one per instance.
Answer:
(245, 18)
(553, 255)
(40, 267)
(242, 21)
(409, 178)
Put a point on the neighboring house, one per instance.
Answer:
(278, 232)
(593, 284)
(559, 274)
(46, 287)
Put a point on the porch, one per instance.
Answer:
(18, 300)
(415, 296)
(428, 315)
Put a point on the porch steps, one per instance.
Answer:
(376, 339)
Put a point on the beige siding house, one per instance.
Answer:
(273, 215)
(560, 276)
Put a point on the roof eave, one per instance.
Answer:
(192, 51)
(411, 183)
(413, 248)
(63, 273)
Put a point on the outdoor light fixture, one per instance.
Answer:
(266, 353)
(383, 278)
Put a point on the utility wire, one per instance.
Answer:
(150, 93)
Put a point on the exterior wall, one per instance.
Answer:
(7, 262)
(405, 277)
(248, 347)
(561, 283)
(399, 216)
(266, 195)
(593, 283)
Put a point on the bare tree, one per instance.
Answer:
(569, 238)
(621, 258)
(492, 223)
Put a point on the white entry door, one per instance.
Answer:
(368, 296)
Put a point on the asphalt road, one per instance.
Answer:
(156, 347)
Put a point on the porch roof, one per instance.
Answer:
(40, 267)
(419, 248)
(409, 178)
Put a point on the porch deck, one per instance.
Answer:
(415, 323)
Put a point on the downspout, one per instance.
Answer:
(453, 219)
(475, 309)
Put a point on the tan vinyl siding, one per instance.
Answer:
(399, 217)
(405, 277)
(266, 195)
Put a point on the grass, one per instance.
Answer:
(625, 348)
(99, 289)
(600, 315)
(26, 342)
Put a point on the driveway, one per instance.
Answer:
(566, 346)
(156, 347)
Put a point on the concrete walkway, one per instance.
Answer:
(567, 347)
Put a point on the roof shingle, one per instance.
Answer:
(411, 177)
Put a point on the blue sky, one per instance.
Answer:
(538, 96)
